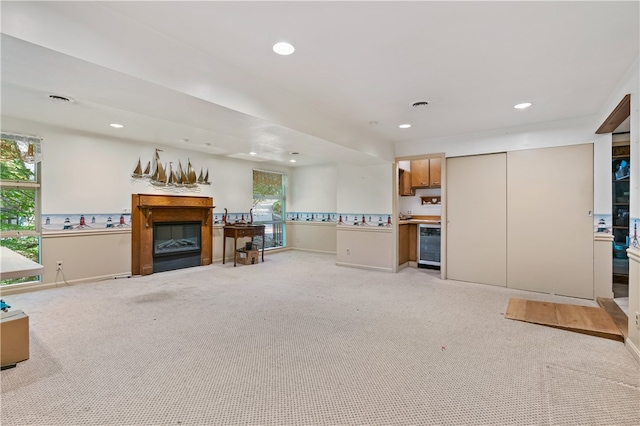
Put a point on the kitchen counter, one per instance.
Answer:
(420, 219)
(408, 221)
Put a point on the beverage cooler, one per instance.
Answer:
(429, 245)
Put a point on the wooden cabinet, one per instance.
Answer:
(419, 173)
(407, 243)
(434, 172)
(413, 242)
(426, 173)
(403, 244)
(404, 183)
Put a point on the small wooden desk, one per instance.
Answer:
(238, 231)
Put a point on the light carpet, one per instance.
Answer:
(297, 340)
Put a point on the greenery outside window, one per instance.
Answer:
(20, 198)
(269, 206)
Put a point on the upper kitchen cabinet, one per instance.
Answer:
(434, 172)
(426, 173)
(404, 183)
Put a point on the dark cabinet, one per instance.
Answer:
(620, 191)
(620, 195)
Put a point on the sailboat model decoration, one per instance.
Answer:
(166, 177)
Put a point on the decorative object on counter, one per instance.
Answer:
(431, 199)
(164, 177)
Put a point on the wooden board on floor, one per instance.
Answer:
(581, 319)
(617, 315)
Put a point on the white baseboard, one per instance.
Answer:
(312, 250)
(633, 349)
(27, 287)
(372, 268)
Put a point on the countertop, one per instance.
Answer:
(420, 219)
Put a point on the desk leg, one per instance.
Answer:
(235, 243)
(263, 245)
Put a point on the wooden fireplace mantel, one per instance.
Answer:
(147, 209)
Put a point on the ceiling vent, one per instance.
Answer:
(64, 99)
(420, 104)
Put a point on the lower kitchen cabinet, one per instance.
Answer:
(407, 243)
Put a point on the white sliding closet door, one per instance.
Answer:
(549, 225)
(476, 219)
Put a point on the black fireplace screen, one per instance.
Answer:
(176, 238)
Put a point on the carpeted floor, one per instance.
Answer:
(299, 341)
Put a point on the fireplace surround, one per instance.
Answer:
(160, 213)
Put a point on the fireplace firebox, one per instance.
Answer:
(176, 245)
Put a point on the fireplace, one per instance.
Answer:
(170, 232)
(176, 245)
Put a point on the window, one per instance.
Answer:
(20, 198)
(269, 206)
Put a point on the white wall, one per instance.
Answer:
(365, 189)
(630, 84)
(313, 189)
(85, 174)
(312, 236)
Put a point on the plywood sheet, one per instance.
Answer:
(617, 315)
(581, 319)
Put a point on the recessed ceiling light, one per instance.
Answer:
(116, 125)
(404, 126)
(283, 48)
(522, 105)
(292, 161)
(253, 153)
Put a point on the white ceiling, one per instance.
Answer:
(205, 71)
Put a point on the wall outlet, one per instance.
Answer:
(348, 252)
(408, 211)
(59, 265)
(638, 320)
